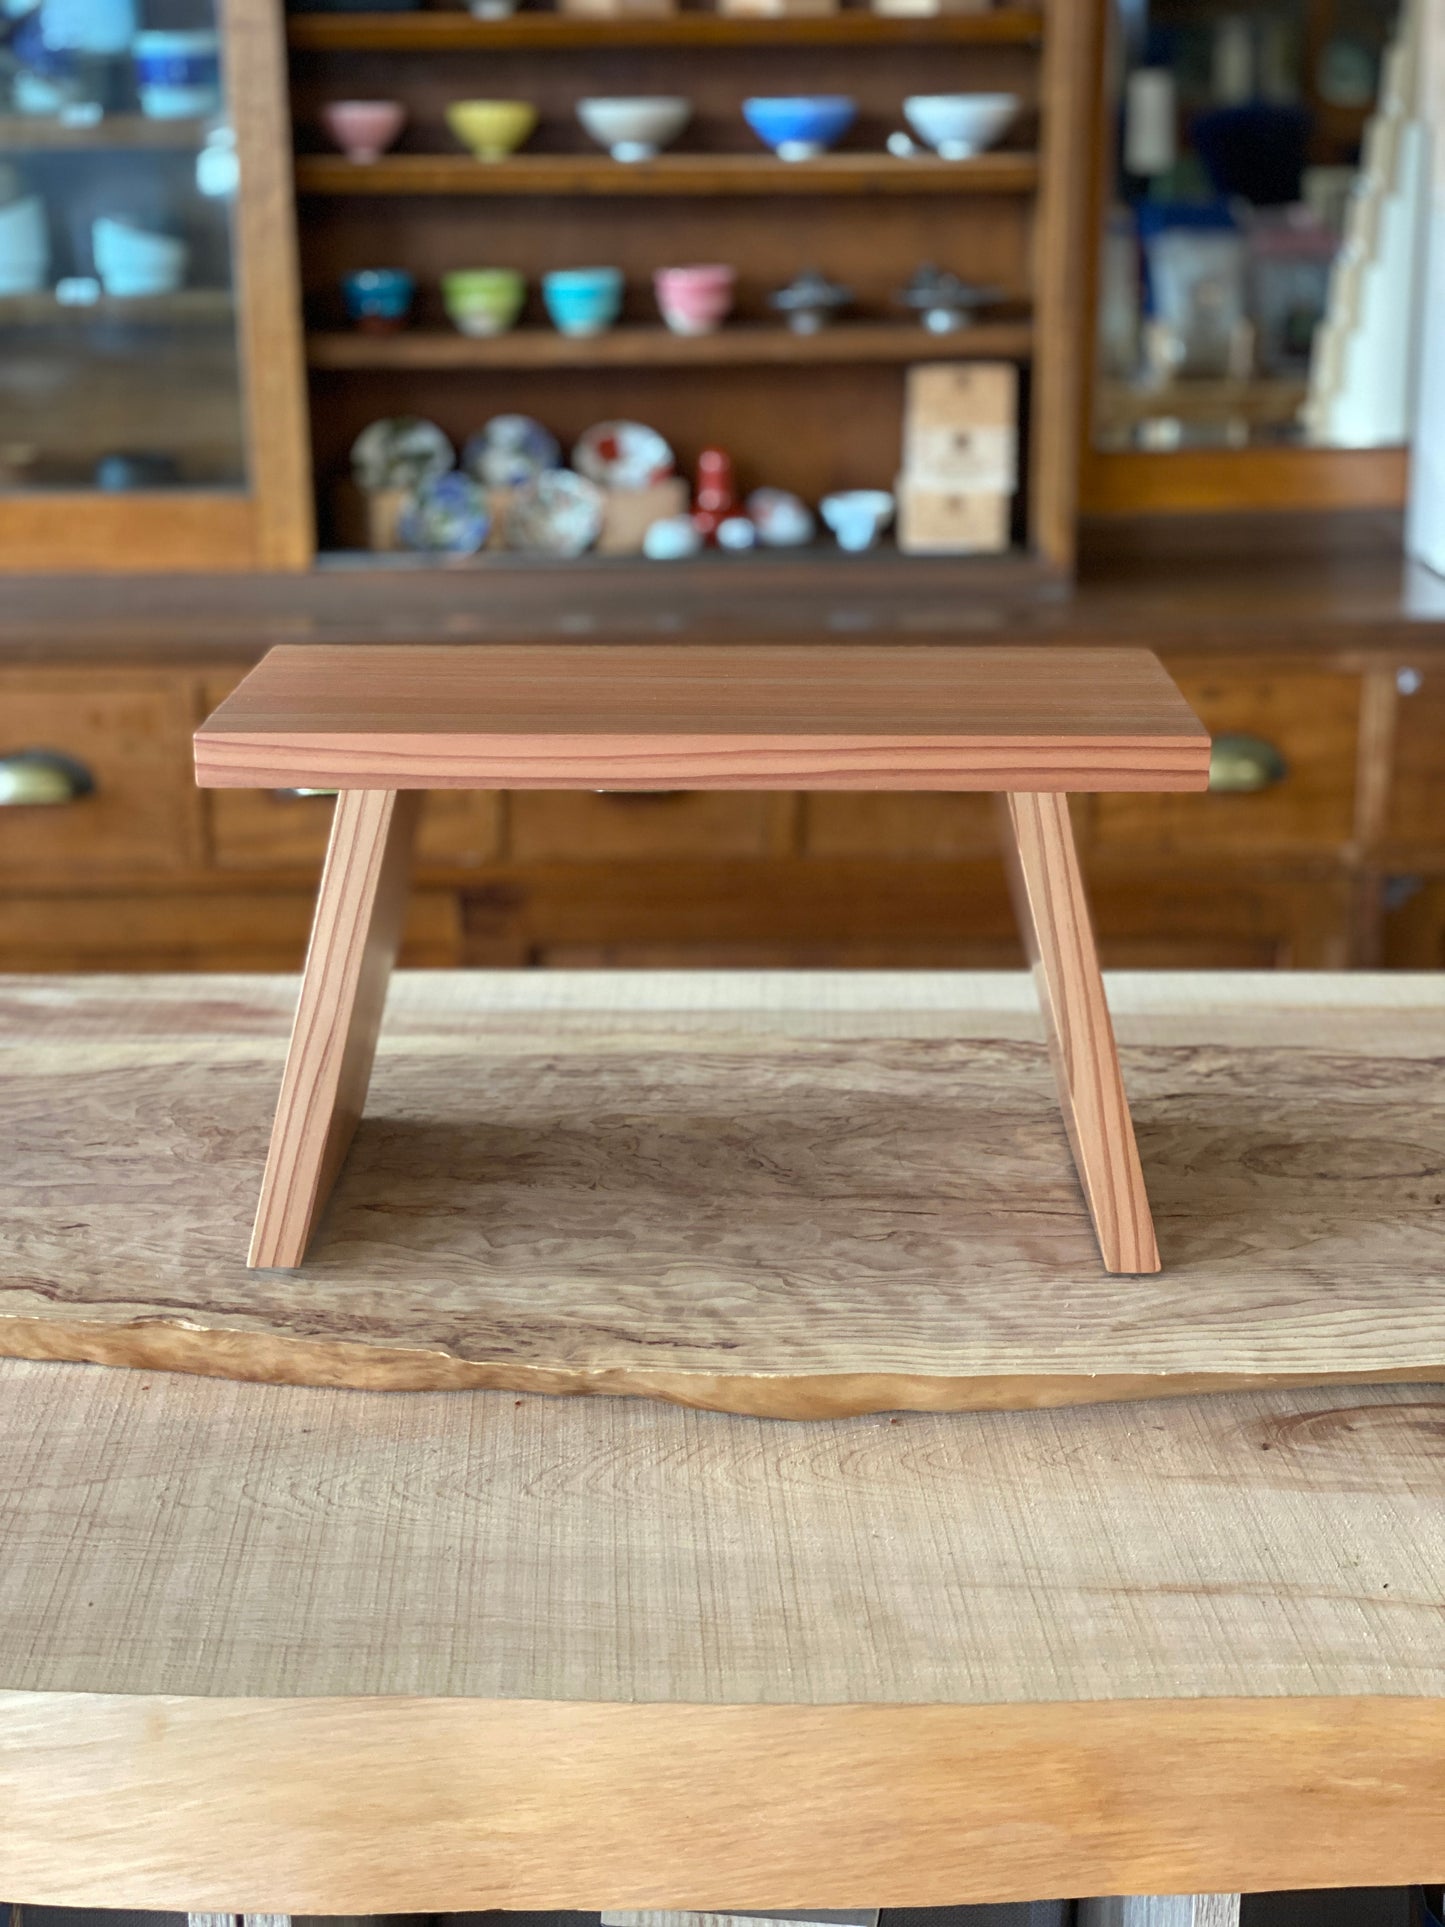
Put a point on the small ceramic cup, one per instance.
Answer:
(378, 300)
(178, 73)
(583, 301)
(492, 129)
(483, 301)
(133, 262)
(363, 129)
(857, 516)
(695, 301)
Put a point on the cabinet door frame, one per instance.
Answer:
(269, 523)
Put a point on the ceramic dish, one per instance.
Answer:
(634, 128)
(178, 72)
(133, 261)
(363, 129)
(798, 127)
(492, 129)
(857, 516)
(378, 300)
(400, 451)
(583, 301)
(695, 301)
(783, 520)
(810, 301)
(510, 450)
(483, 301)
(623, 455)
(557, 513)
(446, 516)
(960, 125)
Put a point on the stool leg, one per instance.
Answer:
(1053, 915)
(359, 912)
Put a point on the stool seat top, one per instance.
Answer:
(701, 716)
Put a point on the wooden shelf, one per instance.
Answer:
(645, 347)
(457, 32)
(720, 174)
(187, 307)
(26, 133)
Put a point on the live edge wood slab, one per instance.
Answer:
(275, 1650)
(382, 725)
(792, 1195)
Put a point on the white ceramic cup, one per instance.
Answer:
(177, 72)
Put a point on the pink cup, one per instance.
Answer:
(695, 301)
(363, 129)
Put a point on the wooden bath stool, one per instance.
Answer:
(381, 725)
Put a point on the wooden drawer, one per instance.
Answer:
(856, 823)
(278, 830)
(196, 930)
(1311, 717)
(552, 825)
(1415, 816)
(131, 738)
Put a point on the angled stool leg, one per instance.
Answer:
(359, 912)
(1053, 915)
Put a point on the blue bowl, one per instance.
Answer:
(796, 128)
(583, 301)
(378, 299)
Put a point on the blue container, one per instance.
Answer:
(378, 300)
(583, 301)
(798, 127)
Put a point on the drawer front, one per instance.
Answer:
(240, 930)
(1310, 718)
(279, 830)
(1416, 814)
(557, 826)
(856, 823)
(120, 752)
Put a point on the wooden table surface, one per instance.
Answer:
(310, 1650)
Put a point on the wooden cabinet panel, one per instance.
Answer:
(1311, 717)
(854, 823)
(823, 913)
(553, 825)
(239, 930)
(1414, 924)
(1415, 815)
(131, 738)
(278, 830)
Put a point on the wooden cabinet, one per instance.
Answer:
(146, 872)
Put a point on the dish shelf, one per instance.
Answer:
(458, 32)
(29, 133)
(700, 174)
(646, 347)
(186, 307)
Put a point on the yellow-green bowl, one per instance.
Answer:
(491, 128)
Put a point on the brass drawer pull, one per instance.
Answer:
(1244, 765)
(31, 778)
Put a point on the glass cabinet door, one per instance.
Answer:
(121, 360)
(1255, 275)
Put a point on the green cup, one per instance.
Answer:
(484, 301)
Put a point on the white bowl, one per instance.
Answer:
(633, 128)
(960, 125)
(132, 261)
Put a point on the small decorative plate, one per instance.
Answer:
(400, 451)
(447, 515)
(510, 450)
(556, 513)
(623, 455)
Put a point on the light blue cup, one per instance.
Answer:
(583, 301)
(798, 126)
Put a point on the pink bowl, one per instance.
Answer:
(694, 301)
(363, 129)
